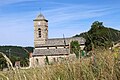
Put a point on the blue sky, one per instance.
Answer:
(68, 17)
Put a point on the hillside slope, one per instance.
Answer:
(100, 36)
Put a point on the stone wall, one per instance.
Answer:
(41, 60)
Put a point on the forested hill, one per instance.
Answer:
(100, 36)
(16, 50)
(15, 53)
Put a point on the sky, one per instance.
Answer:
(68, 17)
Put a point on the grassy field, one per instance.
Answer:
(105, 66)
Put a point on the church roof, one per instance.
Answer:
(62, 41)
(51, 52)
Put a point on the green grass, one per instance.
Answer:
(105, 67)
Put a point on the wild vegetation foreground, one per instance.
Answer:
(104, 66)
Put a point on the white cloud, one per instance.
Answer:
(72, 13)
(5, 2)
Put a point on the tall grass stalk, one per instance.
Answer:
(9, 63)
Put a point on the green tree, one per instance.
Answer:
(75, 48)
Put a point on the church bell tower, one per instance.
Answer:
(40, 30)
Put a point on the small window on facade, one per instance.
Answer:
(39, 32)
(54, 59)
(37, 62)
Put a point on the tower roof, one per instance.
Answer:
(40, 17)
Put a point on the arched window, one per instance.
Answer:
(39, 32)
(39, 29)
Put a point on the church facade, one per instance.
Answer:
(54, 49)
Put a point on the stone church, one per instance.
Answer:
(54, 49)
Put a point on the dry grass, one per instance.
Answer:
(105, 67)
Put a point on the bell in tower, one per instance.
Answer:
(40, 30)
